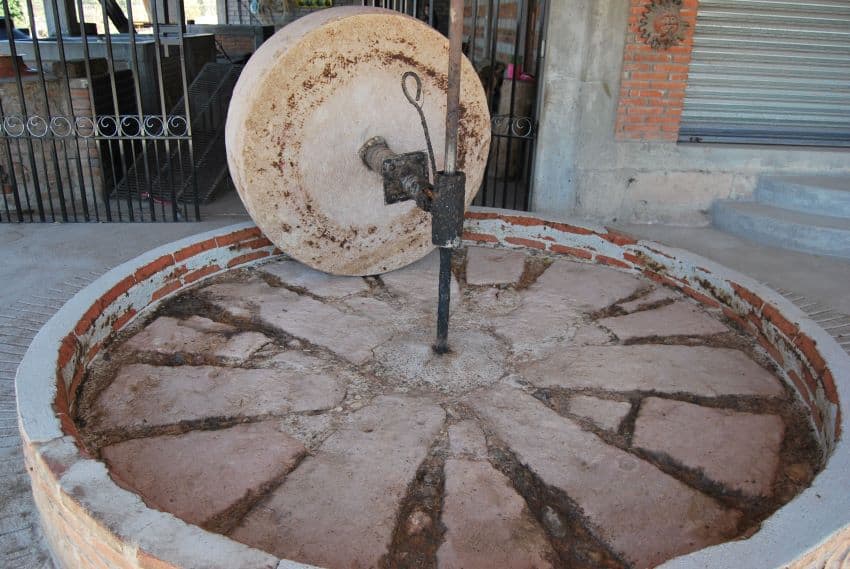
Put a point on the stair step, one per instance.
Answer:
(829, 196)
(778, 227)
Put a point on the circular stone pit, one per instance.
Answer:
(304, 415)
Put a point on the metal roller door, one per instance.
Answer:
(770, 72)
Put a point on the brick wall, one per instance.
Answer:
(652, 88)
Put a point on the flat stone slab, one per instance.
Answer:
(493, 266)
(699, 370)
(418, 283)
(185, 474)
(487, 523)
(539, 325)
(604, 413)
(143, 395)
(589, 287)
(297, 274)
(739, 450)
(677, 319)
(643, 514)
(467, 440)
(350, 336)
(339, 508)
(197, 335)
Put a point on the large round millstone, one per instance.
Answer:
(304, 105)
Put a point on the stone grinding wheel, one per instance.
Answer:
(304, 105)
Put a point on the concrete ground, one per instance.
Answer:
(42, 265)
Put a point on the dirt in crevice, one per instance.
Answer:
(535, 266)
(614, 308)
(800, 456)
(570, 533)
(419, 531)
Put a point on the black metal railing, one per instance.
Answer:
(125, 124)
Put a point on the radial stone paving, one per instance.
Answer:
(306, 415)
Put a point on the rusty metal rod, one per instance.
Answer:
(453, 94)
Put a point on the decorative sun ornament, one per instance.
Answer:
(662, 26)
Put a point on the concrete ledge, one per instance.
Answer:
(89, 521)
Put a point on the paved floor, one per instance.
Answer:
(43, 265)
(316, 399)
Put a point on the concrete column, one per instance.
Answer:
(558, 142)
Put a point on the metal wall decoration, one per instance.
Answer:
(661, 25)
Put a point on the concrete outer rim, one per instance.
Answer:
(801, 526)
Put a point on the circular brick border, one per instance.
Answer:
(90, 522)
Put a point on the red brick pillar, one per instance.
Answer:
(656, 60)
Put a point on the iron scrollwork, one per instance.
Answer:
(101, 127)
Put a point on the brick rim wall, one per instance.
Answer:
(652, 84)
(90, 522)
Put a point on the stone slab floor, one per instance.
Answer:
(585, 418)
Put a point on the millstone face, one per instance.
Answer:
(304, 105)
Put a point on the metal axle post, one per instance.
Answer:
(450, 176)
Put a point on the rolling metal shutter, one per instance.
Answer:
(770, 71)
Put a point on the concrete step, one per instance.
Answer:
(818, 195)
(763, 223)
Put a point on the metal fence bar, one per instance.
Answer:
(33, 168)
(187, 109)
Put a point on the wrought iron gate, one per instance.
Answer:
(106, 118)
(504, 39)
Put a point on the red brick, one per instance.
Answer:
(810, 379)
(572, 251)
(661, 279)
(92, 352)
(777, 319)
(698, 296)
(829, 386)
(204, 271)
(67, 350)
(771, 349)
(811, 353)
(567, 228)
(177, 273)
(802, 388)
(754, 300)
(116, 291)
(634, 259)
(153, 268)
(480, 237)
(193, 250)
(735, 317)
(611, 262)
(618, 238)
(525, 242)
(256, 243)
(247, 257)
(166, 290)
(481, 215)
(88, 318)
(123, 319)
(237, 236)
